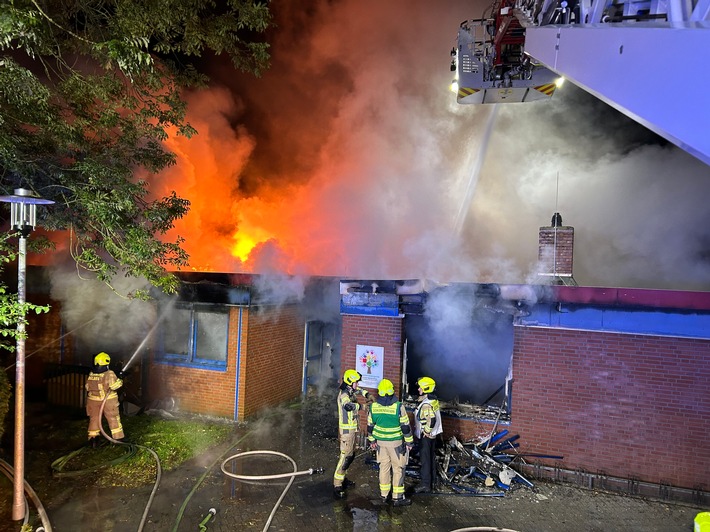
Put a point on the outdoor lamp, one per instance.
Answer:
(23, 217)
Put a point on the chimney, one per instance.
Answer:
(555, 253)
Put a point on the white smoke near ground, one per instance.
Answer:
(97, 317)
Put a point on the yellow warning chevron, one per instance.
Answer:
(466, 91)
(548, 88)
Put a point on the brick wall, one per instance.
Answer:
(626, 405)
(272, 360)
(268, 346)
(201, 391)
(381, 331)
(43, 344)
(556, 250)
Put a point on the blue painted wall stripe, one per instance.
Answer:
(238, 360)
(685, 324)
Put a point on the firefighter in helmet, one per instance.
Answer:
(102, 385)
(427, 426)
(390, 435)
(348, 421)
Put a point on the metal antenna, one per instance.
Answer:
(554, 241)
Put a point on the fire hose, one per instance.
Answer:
(158, 474)
(203, 523)
(291, 476)
(9, 472)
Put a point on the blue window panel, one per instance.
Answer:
(194, 336)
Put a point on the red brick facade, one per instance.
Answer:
(265, 350)
(556, 250)
(385, 332)
(625, 405)
(44, 343)
(272, 359)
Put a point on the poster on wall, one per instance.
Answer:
(369, 363)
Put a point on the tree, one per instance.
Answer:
(89, 90)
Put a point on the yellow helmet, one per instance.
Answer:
(102, 359)
(385, 387)
(427, 384)
(351, 376)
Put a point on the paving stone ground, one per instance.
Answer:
(307, 434)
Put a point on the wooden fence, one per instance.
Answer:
(65, 384)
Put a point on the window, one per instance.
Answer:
(195, 335)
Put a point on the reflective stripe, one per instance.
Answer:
(101, 397)
(347, 419)
(427, 418)
(389, 423)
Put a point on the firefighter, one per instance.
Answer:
(389, 433)
(427, 426)
(348, 421)
(102, 384)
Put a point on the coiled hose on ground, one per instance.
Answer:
(291, 476)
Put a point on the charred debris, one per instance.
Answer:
(476, 469)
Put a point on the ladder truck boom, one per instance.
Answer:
(649, 59)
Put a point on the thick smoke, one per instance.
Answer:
(461, 342)
(98, 319)
(350, 158)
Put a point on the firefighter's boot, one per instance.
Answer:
(401, 502)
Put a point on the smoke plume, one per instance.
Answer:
(350, 158)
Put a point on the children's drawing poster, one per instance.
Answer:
(370, 363)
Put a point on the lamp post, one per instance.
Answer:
(23, 217)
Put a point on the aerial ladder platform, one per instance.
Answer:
(649, 59)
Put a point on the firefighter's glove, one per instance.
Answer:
(350, 407)
(120, 375)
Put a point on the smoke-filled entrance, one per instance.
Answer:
(464, 341)
(322, 340)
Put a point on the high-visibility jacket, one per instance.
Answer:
(348, 408)
(388, 421)
(427, 418)
(99, 385)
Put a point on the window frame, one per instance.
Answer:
(192, 359)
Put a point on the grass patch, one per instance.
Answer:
(174, 441)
